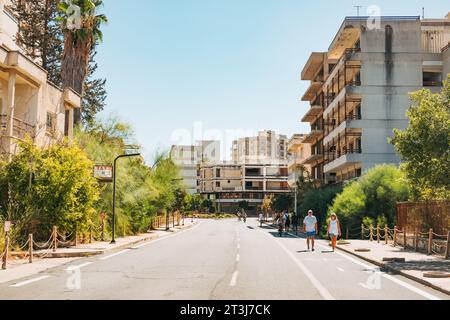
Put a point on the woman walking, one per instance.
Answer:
(334, 230)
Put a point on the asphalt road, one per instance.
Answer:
(220, 260)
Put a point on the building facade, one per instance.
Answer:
(266, 147)
(30, 106)
(189, 158)
(228, 184)
(298, 152)
(359, 90)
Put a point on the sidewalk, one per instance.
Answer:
(414, 267)
(18, 269)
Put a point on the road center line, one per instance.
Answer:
(341, 270)
(238, 258)
(115, 254)
(234, 279)
(24, 283)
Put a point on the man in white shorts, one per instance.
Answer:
(310, 228)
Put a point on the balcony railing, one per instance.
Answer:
(20, 128)
(334, 155)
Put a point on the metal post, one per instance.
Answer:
(430, 242)
(6, 252)
(113, 231)
(55, 239)
(30, 247)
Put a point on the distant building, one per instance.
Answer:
(267, 147)
(359, 90)
(228, 184)
(189, 158)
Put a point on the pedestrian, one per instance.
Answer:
(261, 218)
(295, 223)
(280, 224)
(245, 216)
(287, 222)
(334, 230)
(311, 229)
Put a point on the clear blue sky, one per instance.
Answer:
(231, 64)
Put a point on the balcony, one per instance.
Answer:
(312, 91)
(21, 129)
(313, 159)
(312, 113)
(313, 136)
(342, 160)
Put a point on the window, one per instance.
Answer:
(51, 121)
(432, 79)
(218, 184)
(218, 173)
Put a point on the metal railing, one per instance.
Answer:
(20, 127)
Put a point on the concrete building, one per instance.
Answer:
(360, 87)
(298, 152)
(227, 184)
(189, 159)
(29, 104)
(266, 147)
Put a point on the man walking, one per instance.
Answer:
(310, 228)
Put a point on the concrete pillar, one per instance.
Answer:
(10, 105)
(71, 124)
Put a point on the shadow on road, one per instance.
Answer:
(441, 266)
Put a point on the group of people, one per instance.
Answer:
(310, 227)
(242, 215)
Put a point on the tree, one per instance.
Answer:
(192, 202)
(244, 205)
(282, 202)
(40, 189)
(425, 145)
(39, 34)
(94, 98)
(267, 205)
(373, 197)
(82, 31)
(207, 205)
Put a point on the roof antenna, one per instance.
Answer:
(423, 13)
(357, 9)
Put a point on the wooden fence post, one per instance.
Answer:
(430, 242)
(395, 236)
(6, 252)
(371, 233)
(55, 238)
(405, 239)
(378, 234)
(30, 247)
(447, 251)
(386, 234)
(416, 241)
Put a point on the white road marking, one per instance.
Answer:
(316, 283)
(72, 268)
(165, 237)
(238, 258)
(341, 270)
(115, 254)
(234, 279)
(386, 276)
(238, 246)
(24, 283)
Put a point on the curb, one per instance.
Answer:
(396, 271)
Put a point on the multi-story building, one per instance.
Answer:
(267, 147)
(360, 89)
(298, 152)
(30, 106)
(189, 158)
(228, 184)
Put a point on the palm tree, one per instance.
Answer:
(81, 27)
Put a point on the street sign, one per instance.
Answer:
(7, 226)
(104, 173)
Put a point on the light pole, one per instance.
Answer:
(113, 241)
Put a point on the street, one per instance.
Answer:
(220, 260)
